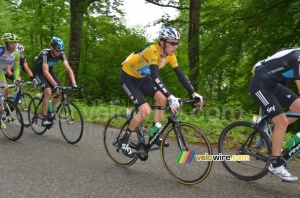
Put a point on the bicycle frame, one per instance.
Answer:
(171, 119)
(62, 101)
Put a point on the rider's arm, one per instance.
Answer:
(47, 75)
(27, 69)
(9, 72)
(17, 63)
(184, 80)
(158, 81)
(298, 85)
(70, 72)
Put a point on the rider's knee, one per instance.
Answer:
(144, 110)
(47, 92)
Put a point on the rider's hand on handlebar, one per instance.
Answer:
(34, 81)
(17, 82)
(56, 89)
(74, 86)
(175, 103)
(199, 98)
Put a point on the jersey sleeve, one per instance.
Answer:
(172, 61)
(295, 64)
(63, 57)
(17, 65)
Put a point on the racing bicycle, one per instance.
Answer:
(11, 120)
(184, 141)
(70, 119)
(240, 137)
(22, 100)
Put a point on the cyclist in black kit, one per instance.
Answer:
(44, 64)
(267, 87)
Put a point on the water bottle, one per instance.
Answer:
(50, 107)
(154, 129)
(293, 141)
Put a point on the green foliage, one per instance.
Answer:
(234, 35)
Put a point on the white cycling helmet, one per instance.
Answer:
(169, 33)
(19, 48)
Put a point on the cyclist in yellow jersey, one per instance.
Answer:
(8, 57)
(140, 75)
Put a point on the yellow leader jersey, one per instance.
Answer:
(137, 63)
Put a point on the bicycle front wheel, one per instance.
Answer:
(71, 122)
(35, 116)
(115, 128)
(239, 141)
(23, 105)
(12, 125)
(185, 163)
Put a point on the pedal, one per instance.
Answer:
(142, 152)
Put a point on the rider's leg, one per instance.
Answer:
(280, 125)
(161, 100)
(5, 93)
(47, 95)
(295, 108)
(144, 111)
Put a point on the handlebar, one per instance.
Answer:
(80, 88)
(167, 108)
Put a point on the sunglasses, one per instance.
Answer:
(57, 50)
(173, 43)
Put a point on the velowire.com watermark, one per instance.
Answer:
(189, 156)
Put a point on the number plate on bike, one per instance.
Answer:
(256, 118)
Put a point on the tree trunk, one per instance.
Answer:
(78, 9)
(194, 42)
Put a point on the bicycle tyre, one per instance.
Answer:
(35, 116)
(12, 125)
(230, 142)
(186, 169)
(71, 123)
(23, 106)
(114, 128)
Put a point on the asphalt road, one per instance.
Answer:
(47, 166)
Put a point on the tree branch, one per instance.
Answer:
(170, 6)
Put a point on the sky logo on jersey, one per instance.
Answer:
(52, 63)
(185, 157)
(269, 109)
(144, 71)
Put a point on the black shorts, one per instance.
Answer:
(43, 81)
(272, 97)
(136, 87)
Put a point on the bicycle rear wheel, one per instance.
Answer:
(184, 164)
(71, 122)
(231, 142)
(115, 128)
(12, 125)
(35, 116)
(23, 105)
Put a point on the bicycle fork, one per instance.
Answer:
(180, 137)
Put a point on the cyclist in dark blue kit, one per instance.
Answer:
(43, 66)
(267, 87)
